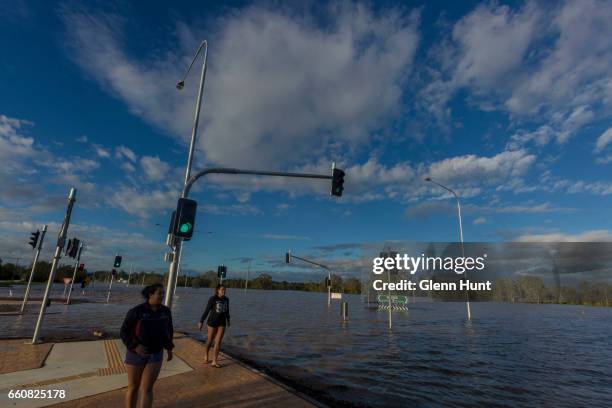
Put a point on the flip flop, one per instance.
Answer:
(215, 365)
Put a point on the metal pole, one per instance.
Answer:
(61, 241)
(389, 291)
(110, 287)
(130, 275)
(27, 292)
(76, 265)
(246, 283)
(143, 277)
(329, 289)
(174, 265)
(467, 292)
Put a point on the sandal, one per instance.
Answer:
(215, 365)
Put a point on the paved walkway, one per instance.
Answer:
(92, 373)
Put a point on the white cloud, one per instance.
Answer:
(143, 203)
(480, 221)
(550, 67)
(101, 151)
(576, 70)
(492, 42)
(154, 168)
(281, 237)
(278, 86)
(603, 140)
(587, 236)
(474, 170)
(125, 152)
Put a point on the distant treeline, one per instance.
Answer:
(527, 289)
(531, 289)
(207, 279)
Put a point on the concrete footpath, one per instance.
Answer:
(92, 373)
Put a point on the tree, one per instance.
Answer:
(263, 281)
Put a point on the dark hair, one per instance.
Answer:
(151, 289)
(219, 286)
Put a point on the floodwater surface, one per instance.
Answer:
(507, 355)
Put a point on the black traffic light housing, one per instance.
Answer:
(73, 248)
(222, 271)
(288, 257)
(337, 182)
(184, 221)
(34, 239)
(327, 282)
(117, 263)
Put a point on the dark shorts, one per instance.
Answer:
(217, 323)
(132, 358)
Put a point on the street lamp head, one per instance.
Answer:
(180, 85)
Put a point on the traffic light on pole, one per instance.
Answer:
(222, 271)
(34, 239)
(337, 182)
(185, 218)
(117, 263)
(288, 257)
(73, 249)
(81, 267)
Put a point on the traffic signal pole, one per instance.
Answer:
(173, 270)
(27, 292)
(189, 179)
(320, 266)
(76, 265)
(61, 241)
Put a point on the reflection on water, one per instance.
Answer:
(508, 355)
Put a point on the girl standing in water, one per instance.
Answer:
(146, 331)
(218, 307)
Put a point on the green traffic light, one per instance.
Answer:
(185, 227)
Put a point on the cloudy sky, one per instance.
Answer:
(508, 103)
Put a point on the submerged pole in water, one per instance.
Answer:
(388, 286)
(467, 292)
(344, 310)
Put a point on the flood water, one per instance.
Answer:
(508, 355)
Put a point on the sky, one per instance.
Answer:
(507, 103)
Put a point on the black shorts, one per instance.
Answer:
(216, 323)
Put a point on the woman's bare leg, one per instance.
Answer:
(134, 376)
(212, 332)
(149, 376)
(218, 338)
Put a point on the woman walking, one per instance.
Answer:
(218, 307)
(146, 331)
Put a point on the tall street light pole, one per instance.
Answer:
(177, 244)
(467, 292)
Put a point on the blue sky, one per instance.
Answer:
(507, 103)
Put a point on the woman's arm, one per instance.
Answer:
(170, 344)
(127, 329)
(208, 309)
